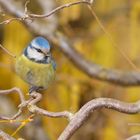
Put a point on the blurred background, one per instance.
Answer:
(72, 88)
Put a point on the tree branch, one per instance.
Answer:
(7, 51)
(58, 9)
(26, 15)
(40, 111)
(18, 10)
(4, 136)
(123, 78)
(10, 91)
(77, 119)
(90, 68)
(81, 116)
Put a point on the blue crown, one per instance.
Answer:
(41, 42)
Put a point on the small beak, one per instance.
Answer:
(48, 54)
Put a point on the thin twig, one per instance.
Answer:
(40, 111)
(58, 9)
(12, 90)
(26, 8)
(34, 109)
(22, 100)
(33, 16)
(111, 39)
(7, 21)
(7, 51)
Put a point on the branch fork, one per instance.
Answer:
(77, 119)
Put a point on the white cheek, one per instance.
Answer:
(34, 54)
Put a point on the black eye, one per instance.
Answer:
(38, 50)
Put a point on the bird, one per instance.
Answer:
(36, 65)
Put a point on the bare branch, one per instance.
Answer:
(26, 9)
(4, 136)
(81, 116)
(13, 7)
(33, 16)
(111, 39)
(7, 51)
(40, 111)
(126, 78)
(34, 109)
(9, 20)
(10, 91)
(36, 97)
(22, 100)
(123, 78)
(77, 119)
(58, 9)
(91, 69)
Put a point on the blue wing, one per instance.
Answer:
(54, 64)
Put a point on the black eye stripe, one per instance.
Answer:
(38, 50)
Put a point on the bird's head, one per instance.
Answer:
(38, 50)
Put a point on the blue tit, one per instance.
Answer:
(36, 65)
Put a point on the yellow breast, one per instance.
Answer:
(36, 74)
